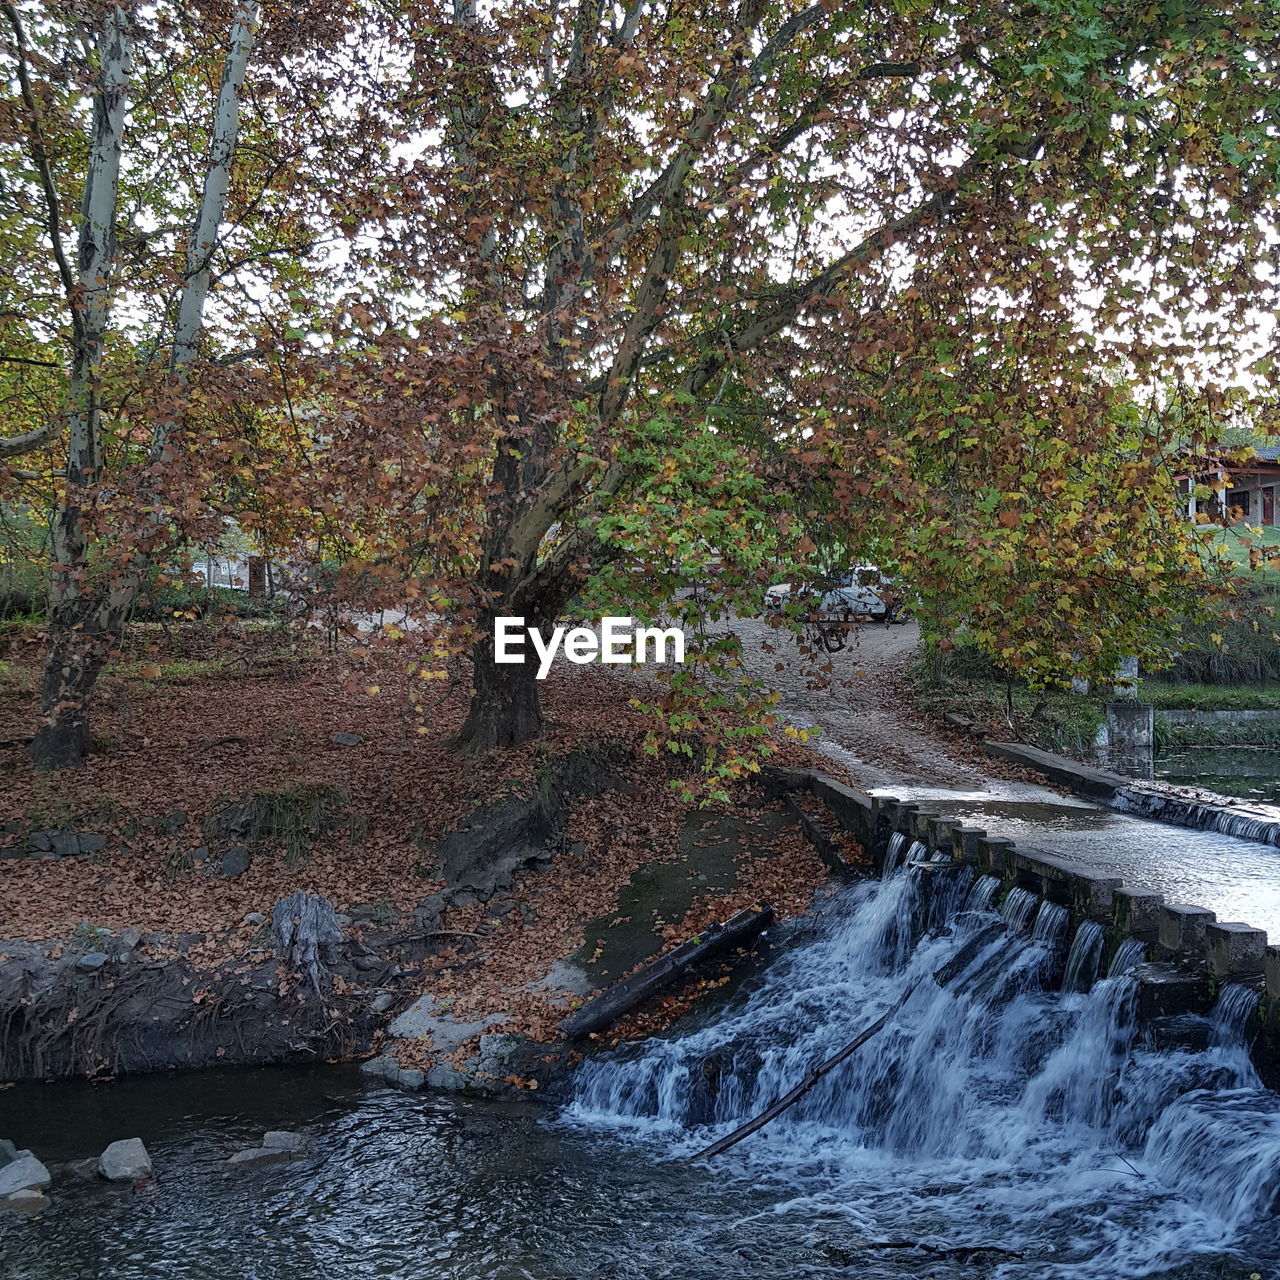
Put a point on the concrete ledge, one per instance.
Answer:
(1097, 784)
(1086, 890)
(1227, 718)
(855, 810)
(1234, 950)
(1181, 929)
(1135, 913)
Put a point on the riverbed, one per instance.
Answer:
(1008, 1139)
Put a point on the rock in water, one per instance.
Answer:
(28, 1201)
(26, 1173)
(308, 935)
(125, 1161)
(282, 1140)
(258, 1157)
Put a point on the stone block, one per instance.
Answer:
(1085, 890)
(995, 855)
(1271, 971)
(1182, 928)
(942, 834)
(967, 841)
(1233, 949)
(1136, 913)
(920, 828)
(1168, 990)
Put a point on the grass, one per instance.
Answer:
(1210, 697)
(1055, 719)
(171, 670)
(1239, 542)
(297, 815)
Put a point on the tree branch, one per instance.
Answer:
(28, 442)
(40, 157)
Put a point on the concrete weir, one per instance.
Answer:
(1190, 953)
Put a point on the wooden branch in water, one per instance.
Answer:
(630, 993)
(787, 1099)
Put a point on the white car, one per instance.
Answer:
(863, 592)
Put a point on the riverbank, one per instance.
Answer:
(147, 903)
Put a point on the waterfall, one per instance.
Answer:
(1019, 907)
(1050, 923)
(1129, 953)
(893, 854)
(1263, 829)
(982, 894)
(992, 1109)
(1084, 957)
(1230, 1017)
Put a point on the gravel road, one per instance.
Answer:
(869, 724)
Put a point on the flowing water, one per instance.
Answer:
(995, 1111)
(1235, 877)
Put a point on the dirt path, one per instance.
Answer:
(868, 721)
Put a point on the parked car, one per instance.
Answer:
(861, 592)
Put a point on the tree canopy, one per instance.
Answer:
(608, 289)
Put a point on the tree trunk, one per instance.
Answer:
(505, 710)
(87, 620)
(74, 662)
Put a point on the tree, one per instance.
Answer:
(629, 219)
(135, 116)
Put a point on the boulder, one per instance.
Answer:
(386, 1068)
(125, 1160)
(90, 842)
(235, 861)
(346, 739)
(129, 938)
(26, 1173)
(92, 961)
(427, 1019)
(66, 844)
(8, 1152)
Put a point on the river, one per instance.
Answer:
(996, 1110)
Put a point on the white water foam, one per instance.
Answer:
(991, 1110)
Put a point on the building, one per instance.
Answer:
(1249, 492)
